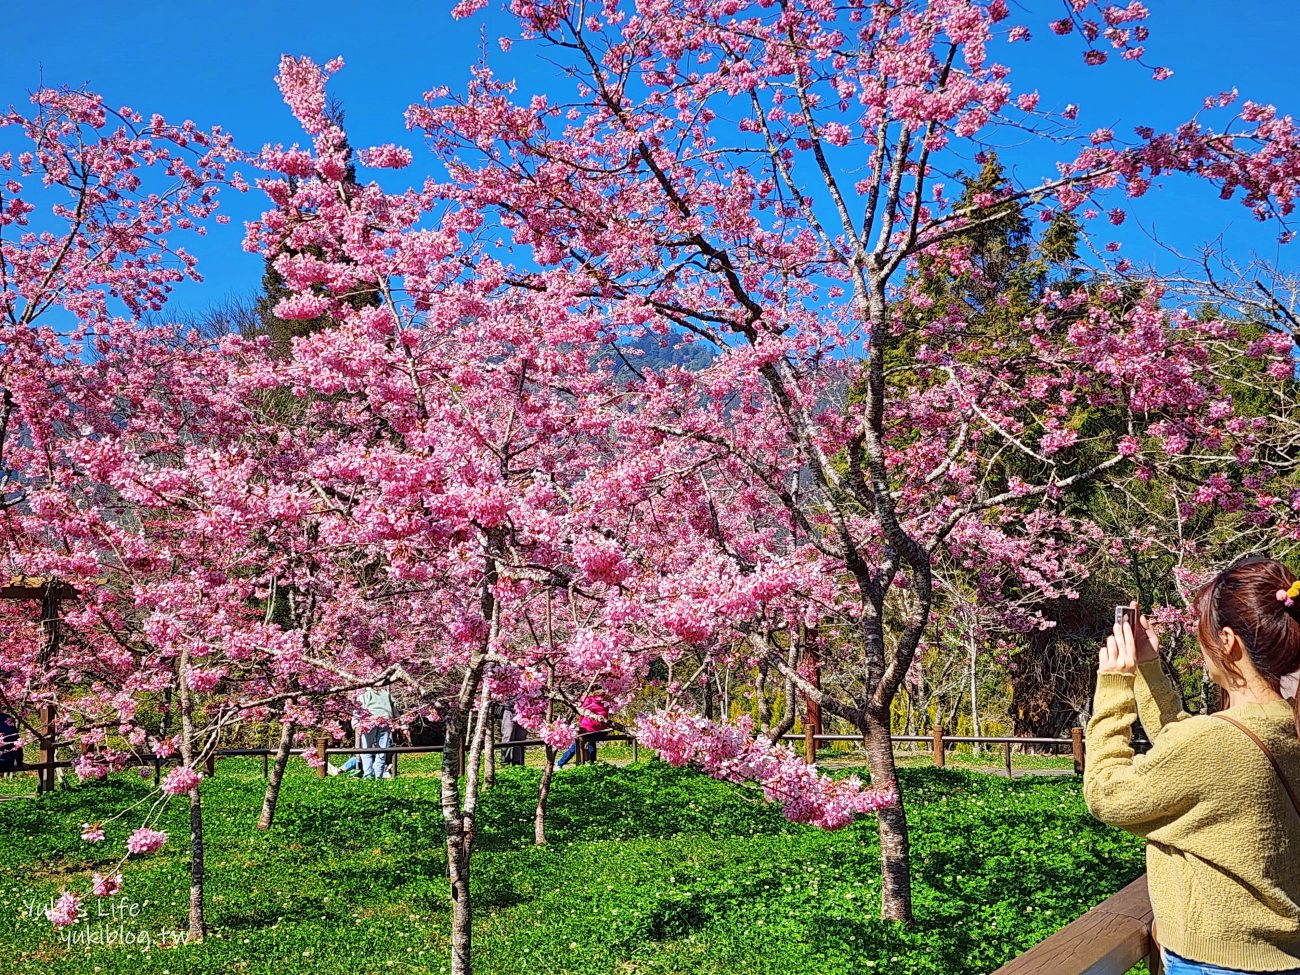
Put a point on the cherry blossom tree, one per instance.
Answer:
(762, 176)
(143, 471)
(92, 198)
(481, 467)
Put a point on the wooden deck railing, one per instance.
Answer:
(1107, 940)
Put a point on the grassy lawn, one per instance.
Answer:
(650, 870)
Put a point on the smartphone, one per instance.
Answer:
(1123, 613)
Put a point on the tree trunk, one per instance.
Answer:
(489, 749)
(276, 776)
(197, 926)
(895, 853)
(460, 837)
(974, 698)
(543, 793)
(458, 813)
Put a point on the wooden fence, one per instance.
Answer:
(937, 741)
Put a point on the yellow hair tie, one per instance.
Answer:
(1294, 590)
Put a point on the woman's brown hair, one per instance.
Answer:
(1243, 597)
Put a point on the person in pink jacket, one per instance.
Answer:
(594, 725)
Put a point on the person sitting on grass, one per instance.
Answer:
(351, 768)
(1217, 797)
(594, 727)
(378, 703)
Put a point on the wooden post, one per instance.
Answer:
(211, 763)
(1076, 746)
(581, 754)
(634, 751)
(266, 770)
(322, 752)
(812, 710)
(938, 746)
(50, 593)
(45, 777)
(1006, 756)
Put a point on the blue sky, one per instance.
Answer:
(215, 63)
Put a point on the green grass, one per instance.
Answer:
(650, 870)
(992, 759)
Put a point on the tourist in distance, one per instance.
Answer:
(511, 730)
(378, 703)
(352, 767)
(1218, 796)
(11, 755)
(594, 727)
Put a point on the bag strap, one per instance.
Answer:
(1272, 759)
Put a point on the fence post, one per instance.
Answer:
(1076, 746)
(211, 764)
(1006, 756)
(45, 778)
(634, 751)
(809, 743)
(322, 753)
(266, 770)
(938, 746)
(581, 754)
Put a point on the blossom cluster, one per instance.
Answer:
(734, 754)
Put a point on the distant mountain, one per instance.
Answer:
(656, 352)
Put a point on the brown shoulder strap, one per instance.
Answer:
(1272, 759)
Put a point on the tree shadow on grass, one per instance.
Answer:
(649, 800)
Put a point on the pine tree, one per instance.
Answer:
(283, 331)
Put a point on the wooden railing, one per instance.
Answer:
(323, 751)
(1108, 940)
(939, 744)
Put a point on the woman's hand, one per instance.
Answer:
(1146, 639)
(1119, 653)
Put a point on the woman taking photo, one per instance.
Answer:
(1216, 796)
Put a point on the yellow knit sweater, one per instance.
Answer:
(1223, 841)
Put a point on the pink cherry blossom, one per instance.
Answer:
(181, 780)
(145, 840)
(731, 753)
(387, 156)
(106, 886)
(66, 911)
